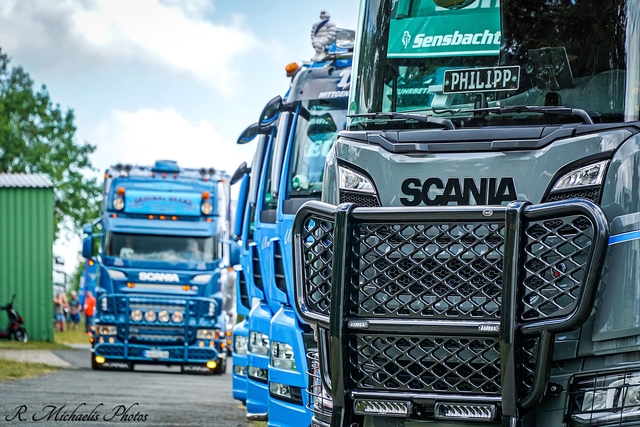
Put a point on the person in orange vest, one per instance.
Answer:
(89, 311)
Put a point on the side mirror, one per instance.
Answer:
(270, 112)
(242, 170)
(87, 229)
(87, 247)
(248, 134)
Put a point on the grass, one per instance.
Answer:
(33, 345)
(72, 337)
(13, 370)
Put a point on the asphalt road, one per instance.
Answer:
(154, 396)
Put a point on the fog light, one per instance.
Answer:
(608, 399)
(389, 408)
(447, 411)
(100, 359)
(278, 389)
(211, 364)
(107, 330)
(150, 316)
(259, 374)
(240, 370)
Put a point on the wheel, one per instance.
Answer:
(95, 365)
(221, 368)
(21, 335)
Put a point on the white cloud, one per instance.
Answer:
(173, 36)
(144, 136)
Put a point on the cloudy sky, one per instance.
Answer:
(170, 79)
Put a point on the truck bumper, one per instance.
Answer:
(284, 412)
(153, 354)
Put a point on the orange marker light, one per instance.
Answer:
(291, 68)
(173, 218)
(120, 191)
(209, 219)
(151, 216)
(186, 287)
(205, 195)
(153, 175)
(162, 217)
(106, 176)
(114, 215)
(164, 175)
(131, 285)
(175, 175)
(91, 262)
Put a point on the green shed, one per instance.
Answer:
(26, 251)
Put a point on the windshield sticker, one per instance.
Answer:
(481, 79)
(427, 30)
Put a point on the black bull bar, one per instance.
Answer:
(447, 304)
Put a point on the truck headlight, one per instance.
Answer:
(107, 330)
(104, 303)
(118, 203)
(206, 208)
(240, 344)
(240, 370)
(208, 334)
(586, 176)
(258, 343)
(150, 316)
(350, 180)
(283, 356)
(606, 399)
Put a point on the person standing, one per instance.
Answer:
(89, 311)
(74, 310)
(59, 304)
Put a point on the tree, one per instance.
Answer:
(37, 136)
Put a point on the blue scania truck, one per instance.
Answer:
(163, 260)
(287, 171)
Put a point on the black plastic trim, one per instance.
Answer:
(269, 216)
(479, 139)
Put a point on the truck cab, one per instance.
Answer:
(474, 258)
(162, 267)
(314, 113)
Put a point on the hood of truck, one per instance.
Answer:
(462, 171)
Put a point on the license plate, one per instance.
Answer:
(481, 79)
(156, 354)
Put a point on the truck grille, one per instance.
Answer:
(364, 200)
(426, 295)
(278, 266)
(554, 260)
(425, 363)
(257, 274)
(592, 194)
(244, 292)
(317, 238)
(429, 270)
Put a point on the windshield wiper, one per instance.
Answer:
(560, 111)
(422, 118)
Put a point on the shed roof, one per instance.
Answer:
(24, 180)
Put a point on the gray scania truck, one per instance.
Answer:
(475, 259)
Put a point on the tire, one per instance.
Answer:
(21, 335)
(221, 368)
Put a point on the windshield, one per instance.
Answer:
(147, 247)
(416, 56)
(317, 128)
(59, 278)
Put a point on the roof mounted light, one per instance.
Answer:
(292, 68)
